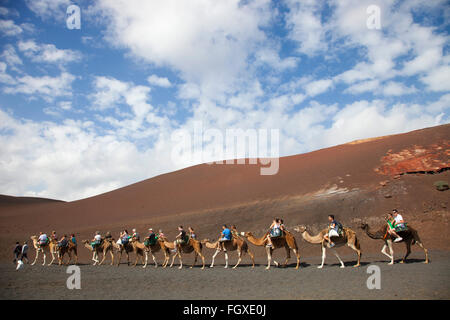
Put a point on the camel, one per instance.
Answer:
(348, 239)
(287, 241)
(236, 244)
(121, 248)
(410, 237)
(71, 248)
(104, 247)
(141, 249)
(50, 247)
(191, 246)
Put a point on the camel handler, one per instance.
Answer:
(25, 252)
(181, 238)
(396, 224)
(334, 230)
(17, 251)
(97, 240)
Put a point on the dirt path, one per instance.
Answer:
(413, 280)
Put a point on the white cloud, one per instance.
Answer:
(305, 27)
(393, 88)
(48, 53)
(49, 8)
(438, 79)
(48, 87)
(9, 28)
(208, 42)
(10, 56)
(70, 151)
(317, 87)
(159, 81)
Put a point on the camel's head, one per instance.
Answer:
(363, 225)
(204, 241)
(33, 237)
(246, 234)
(300, 228)
(85, 241)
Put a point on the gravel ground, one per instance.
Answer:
(413, 280)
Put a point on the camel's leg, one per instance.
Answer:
(269, 257)
(112, 257)
(181, 260)
(37, 256)
(53, 257)
(195, 259)
(213, 258)
(226, 259)
(408, 251)
(94, 257)
(358, 252)
(135, 262)
(203, 260)
(166, 258)
(120, 257)
(324, 255)
(154, 260)
(297, 255)
(173, 259)
(288, 255)
(420, 244)
(383, 251)
(252, 256)
(339, 258)
(103, 258)
(239, 258)
(146, 259)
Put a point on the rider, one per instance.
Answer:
(54, 236)
(333, 230)
(192, 233)
(97, 239)
(234, 231)
(395, 224)
(180, 238)
(224, 236)
(160, 234)
(73, 239)
(63, 242)
(276, 230)
(135, 235)
(151, 239)
(43, 239)
(125, 238)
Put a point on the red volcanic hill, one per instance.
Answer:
(361, 180)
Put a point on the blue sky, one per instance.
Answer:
(88, 110)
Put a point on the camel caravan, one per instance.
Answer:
(230, 240)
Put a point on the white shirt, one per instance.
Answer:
(398, 218)
(98, 237)
(43, 237)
